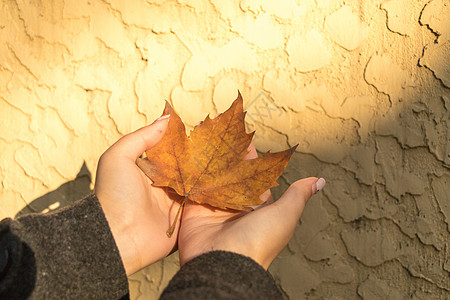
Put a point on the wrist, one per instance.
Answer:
(128, 250)
(123, 238)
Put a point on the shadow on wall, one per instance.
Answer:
(64, 195)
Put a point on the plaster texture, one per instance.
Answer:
(362, 86)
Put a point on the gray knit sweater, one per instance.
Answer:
(71, 254)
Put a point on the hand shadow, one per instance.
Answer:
(64, 195)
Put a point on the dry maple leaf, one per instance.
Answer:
(209, 167)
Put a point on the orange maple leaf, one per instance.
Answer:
(209, 167)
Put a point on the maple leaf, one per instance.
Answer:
(209, 167)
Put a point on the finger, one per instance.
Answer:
(251, 151)
(266, 197)
(145, 166)
(286, 211)
(293, 201)
(276, 223)
(134, 144)
(281, 217)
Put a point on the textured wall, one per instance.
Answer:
(362, 86)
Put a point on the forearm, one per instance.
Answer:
(67, 254)
(221, 275)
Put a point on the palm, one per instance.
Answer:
(205, 228)
(137, 212)
(200, 226)
(154, 210)
(144, 205)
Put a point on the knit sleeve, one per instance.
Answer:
(68, 254)
(221, 275)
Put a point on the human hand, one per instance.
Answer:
(260, 234)
(137, 212)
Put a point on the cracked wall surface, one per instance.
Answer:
(362, 86)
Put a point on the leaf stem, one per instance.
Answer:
(171, 229)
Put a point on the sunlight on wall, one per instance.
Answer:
(361, 86)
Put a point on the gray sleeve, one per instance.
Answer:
(68, 254)
(222, 275)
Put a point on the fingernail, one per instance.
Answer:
(161, 118)
(318, 186)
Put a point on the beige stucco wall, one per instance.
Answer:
(362, 86)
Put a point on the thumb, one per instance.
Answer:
(134, 144)
(293, 201)
(276, 222)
